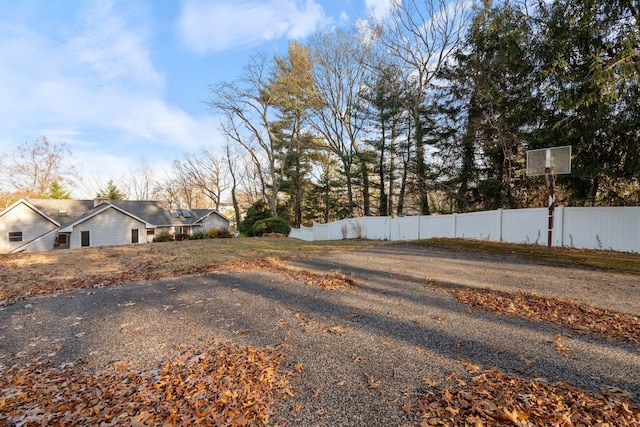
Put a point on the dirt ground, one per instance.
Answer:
(361, 354)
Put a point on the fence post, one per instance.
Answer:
(455, 225)
(559, 225)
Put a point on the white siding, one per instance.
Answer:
(30, 223)
(108, 228)
(214, 221)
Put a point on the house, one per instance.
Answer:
(35, 225)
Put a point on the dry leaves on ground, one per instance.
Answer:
(493, 398)
(146, 271)
(222, 385)
(329, 281)
(584, 319)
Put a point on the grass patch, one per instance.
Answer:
(131, 262)
(619, 262)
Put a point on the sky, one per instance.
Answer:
(120, 82)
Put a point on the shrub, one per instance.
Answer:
(217, 233)
(197, 235)
(163, 236)
(271, 225)
(259, 210)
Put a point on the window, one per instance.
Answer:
(15, 236)
(63, 239)
(134, 235)
(179, 229)
(84, 238)
(174, 213)
(186, 214)
(62, 212)
(151, 231)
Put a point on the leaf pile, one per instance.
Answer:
(493, 398)
(222, 385)
(331, 281)
(584, 319)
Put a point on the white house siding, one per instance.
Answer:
(22, 218)
(108, 228)
(214, 221)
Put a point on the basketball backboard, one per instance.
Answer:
(549, 161)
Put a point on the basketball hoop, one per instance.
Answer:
(549, 162)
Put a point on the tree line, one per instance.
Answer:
(431, 110)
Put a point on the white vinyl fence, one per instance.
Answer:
(609, 228)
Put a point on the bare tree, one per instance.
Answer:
(33, 166)
(247, 107)
(140, 182)
(206, 172)
(340, 71)
(421, 35)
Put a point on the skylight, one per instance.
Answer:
(174, 213)
(186, 213)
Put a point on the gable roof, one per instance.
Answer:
(201, 214)
(36, 209)
(96, 211)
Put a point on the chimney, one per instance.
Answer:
(100, 200)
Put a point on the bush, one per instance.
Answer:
(163, 236)
(197, 235)
(271, 225)
(217, 233)
(259, 210)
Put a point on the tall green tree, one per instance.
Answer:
(387, 116)
(590, 69)
(294, 93)
(489, 109)
(56, 191)
(111, 191)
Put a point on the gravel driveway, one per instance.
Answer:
(360, 353)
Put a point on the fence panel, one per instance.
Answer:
(405, 228)
(478, 225)
(320, 231)
(525, 226)
(616, 228)
(437, 226)
(376, 228)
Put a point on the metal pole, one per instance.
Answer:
(550, 183)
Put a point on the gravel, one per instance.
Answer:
(360, 354)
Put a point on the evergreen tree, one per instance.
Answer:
(111, 192)
(56, 191)
(590, 68)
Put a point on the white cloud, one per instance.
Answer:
(100, 83)
(379, 9)
(210, 26)
(113, 43)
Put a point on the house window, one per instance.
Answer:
(134, 235)
(186, 214)
(151, 231)
(174, 213)
(63, 239)
(179, 229)
(84, 238)
(15, 236)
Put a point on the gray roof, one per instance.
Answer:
(150, 211)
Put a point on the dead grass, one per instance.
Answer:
(22, 275)
(619, 262)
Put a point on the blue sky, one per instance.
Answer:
(119, 81)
